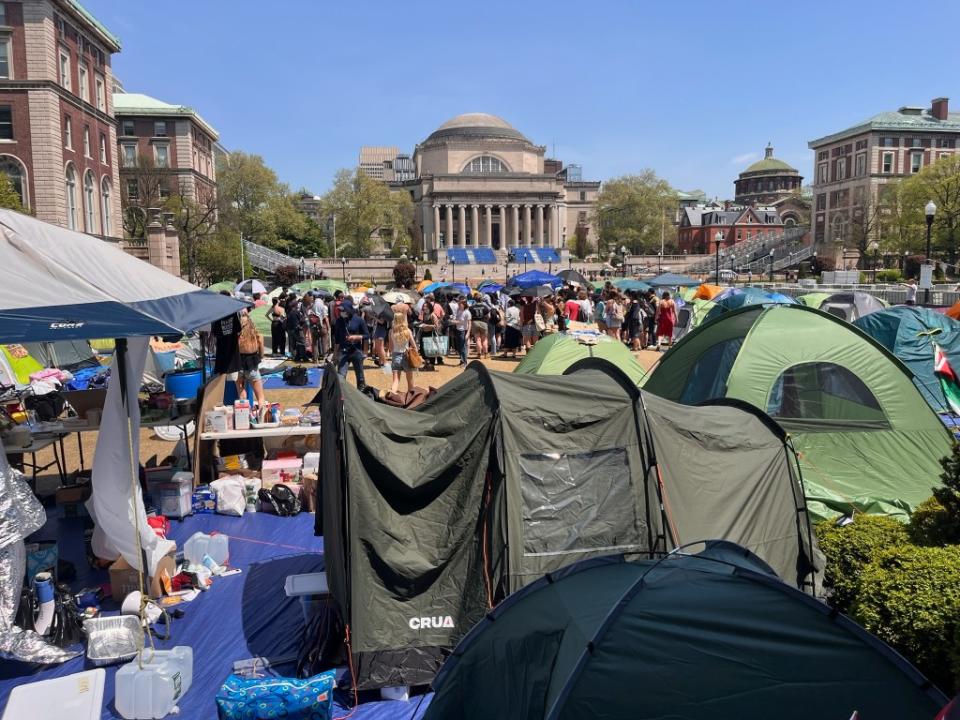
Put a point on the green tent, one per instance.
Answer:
(867, 440)
(327, 284)
(814, 299)
(692, 637)
(227, 285)
(555, 353)
(432, 516)
(910, 333)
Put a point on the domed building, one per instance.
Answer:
(480, 183)
(767, 181)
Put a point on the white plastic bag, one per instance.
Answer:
(231, 495)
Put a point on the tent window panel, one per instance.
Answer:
(823, 391)
(708, 377)
(579, 501)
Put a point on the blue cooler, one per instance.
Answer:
(183, 384)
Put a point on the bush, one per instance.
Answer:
(404, 273)
(930, 524)
(892, 275)
(910, 598)
(286, 275)
(948, 496)
(851, 547)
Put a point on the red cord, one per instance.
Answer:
(353, 674)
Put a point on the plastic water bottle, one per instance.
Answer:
(43, 589)
(152, 691)
(200, 544)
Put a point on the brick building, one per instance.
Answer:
(174, 143)
(853, 165)
(57, 134)
(700, 225)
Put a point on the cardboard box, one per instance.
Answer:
(125, 579)
(284, 470)
(204, 500)
(73, 494)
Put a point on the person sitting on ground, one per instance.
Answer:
(400, 340)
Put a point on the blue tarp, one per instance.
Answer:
(534, 278)
(241, 616)
(672, 280)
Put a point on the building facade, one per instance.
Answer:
(57, 132)
(374, 160)
(703, 227)
(767, 181)
(172, 142)
(853, 165)
(481, 183)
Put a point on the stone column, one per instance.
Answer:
(488, 229)
(539, 226)
(156, 240)
(448, 227)
(504, 237)
(526, 226)
(514, 224)
(475, 225)
(554, 221)
(462, 224)
(435, 245)
(173, 245)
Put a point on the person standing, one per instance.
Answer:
(351, 332)
(528, 322)
(250, 345)
(652, 319)
(911, 286)
(278, 335)
(429, 324)
(512, 337)
(666, 318)
(494, 325)
(462, 321)
(571, 308)
(318, 319)
(226, 334)
(400, 340)
(479, 329)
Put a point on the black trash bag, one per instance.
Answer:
(296, 375)
(47, 407)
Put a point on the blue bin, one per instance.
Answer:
(183, 384)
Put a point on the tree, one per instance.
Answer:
(219, 257)
(195, 218)
(367, 212)
(866, 216)
(245, 187)
(150, 185)
(939, 182)
(9, 198)
(286, 275)
(404, 273)
(635, 211)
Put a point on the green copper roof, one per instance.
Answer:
(100, 27)
(768, 164)
(140, 104)
(912, 120)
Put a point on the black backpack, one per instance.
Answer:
(296, 375)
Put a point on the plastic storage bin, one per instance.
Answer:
(200, 544)
(78, 697)
(183, 384)
(152, 691)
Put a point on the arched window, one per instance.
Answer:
(827, 392)
(71, 198)
(17, 175)
(89, 214)
(105, 206)
(789, 221)
(486, 164)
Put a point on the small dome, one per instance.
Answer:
(769, 164)
(476, 126)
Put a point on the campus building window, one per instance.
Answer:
(14, 172)
(100, 97)
(86, 141)
(68, 132)
(162, 155)
(103, 148)
(65, 70)
(888, 163)
(128, 128)
(5, 58)
(6, 123)
(84, 87)
(916, 162)
(160, 129)
(105, 207)
(485, 164)
(129, 155)
(71, 187)
(88, 216)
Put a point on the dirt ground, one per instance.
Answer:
(151, 445)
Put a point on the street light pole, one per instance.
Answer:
(733, 271)
(660, 263)
(771, 266)
(930, 210)
(343, 268)
(716, 275)
(453, 262)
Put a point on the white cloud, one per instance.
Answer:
(746, 157)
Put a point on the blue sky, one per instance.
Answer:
(691, 89)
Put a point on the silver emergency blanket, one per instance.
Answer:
(20, 514)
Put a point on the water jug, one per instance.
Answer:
(153, 690)
(200, 544)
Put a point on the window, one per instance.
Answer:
(821, 202)
(823, 155)
(88, 215)
(822, 173)
(65, 69)
(5, 57)
(578, 501)
(3, 14)
(103, 148)
(583, 196)
(84, 87)
(105, 206)
(861, 168)
(945, 142)
(129, 155)
(128, 128)
(67, 132)
(162, 153)
(841, 169)
(825, 391)
(888, 162)
(485, 164)
(164, 192)
(6, 123)
(71, 198)
(14, 171)
(160, 129)
(133, 192)
(101, 103)
(916, 162)
(888, 142)
(86, 141)
(861, 145)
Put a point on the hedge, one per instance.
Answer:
(892, 275)
(850, 547)
(909, 596)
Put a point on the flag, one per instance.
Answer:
(949, 383)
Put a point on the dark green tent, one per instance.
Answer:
(431, 516)
(692, 637)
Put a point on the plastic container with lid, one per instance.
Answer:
(150, 686)
(200, 544)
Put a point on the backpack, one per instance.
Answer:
(296, 375)
(617, 311)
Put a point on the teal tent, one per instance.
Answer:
(689, 637)
(734, 298)
(910, 333)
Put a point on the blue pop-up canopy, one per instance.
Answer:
(57, 284)
(533, 278)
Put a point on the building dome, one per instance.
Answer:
(769, 164)
(767, 181)
(476, 126)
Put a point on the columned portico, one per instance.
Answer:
(538, 239)
(461, 224)
(448, 228)
(435, 244)
(475, 225)
(488, 227)
(554, 222)
(514, 225)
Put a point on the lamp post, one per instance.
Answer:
(717, 256)
(313, 268)
(771, 266)
(930, 210)
(343, 268)
(813, 265)
(453, 263)
(733, 270)
(623, 260)
(875, 246)
(659, 263)
(303, 269)
(506, 268)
